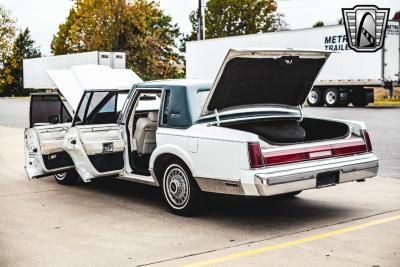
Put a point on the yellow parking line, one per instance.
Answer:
(251, 252)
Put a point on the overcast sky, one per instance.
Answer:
(43, 16)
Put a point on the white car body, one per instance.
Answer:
(217, 157)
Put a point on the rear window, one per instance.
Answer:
(202, 97)
(48, 109)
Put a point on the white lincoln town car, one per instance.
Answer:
(244, 134)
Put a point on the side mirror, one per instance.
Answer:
(54, 119)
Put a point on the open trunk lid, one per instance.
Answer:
(250, 77)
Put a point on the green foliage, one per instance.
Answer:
(237, 17)
(11, 73)
(136, 27)
(7, 33)
(319, 24)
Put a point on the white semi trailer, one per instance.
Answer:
(346, 77)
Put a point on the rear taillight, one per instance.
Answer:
(367, 141)
(256, 157)
(349, 148)
(286, 156)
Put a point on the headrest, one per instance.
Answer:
(153, 116)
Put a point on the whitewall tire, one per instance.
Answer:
(180, 191)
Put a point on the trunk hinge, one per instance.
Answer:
(217, 116)
(300, 107)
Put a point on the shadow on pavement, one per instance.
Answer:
(249, 212)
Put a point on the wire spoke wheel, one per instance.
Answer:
(176, 186)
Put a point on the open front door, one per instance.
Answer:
(95, 141)
(49, 120)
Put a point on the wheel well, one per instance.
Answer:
(161, 163)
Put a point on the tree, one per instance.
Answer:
(11, 73)
(396, 16)
(318, 24)
(237, 17)
(7, 33)
(137, 27)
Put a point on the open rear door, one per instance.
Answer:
(95, 142)
(49, 120)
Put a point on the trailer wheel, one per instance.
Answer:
(332, 97)
(315, 98)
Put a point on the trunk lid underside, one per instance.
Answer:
(251, 77)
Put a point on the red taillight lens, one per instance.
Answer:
(255, 155)
(349, 148)
(286, 156)
(367, 141)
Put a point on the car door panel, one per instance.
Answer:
(104, 146)
(94, 142)
(97, 150)
(44, 152)
(49, 120)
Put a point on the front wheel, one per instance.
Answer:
(179, 190)
(67, 178)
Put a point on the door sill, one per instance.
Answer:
(143, 179)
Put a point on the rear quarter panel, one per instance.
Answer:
(209, 151)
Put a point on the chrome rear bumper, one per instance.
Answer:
(295, 177)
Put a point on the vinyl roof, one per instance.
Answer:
(176, 82)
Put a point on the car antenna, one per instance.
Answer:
(217, 116)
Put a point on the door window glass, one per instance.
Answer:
(80, 115)
(98, 108)
(48, 109)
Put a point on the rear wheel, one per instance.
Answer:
(67, 178)
(331, 97)
(315, 98)
(180, 192)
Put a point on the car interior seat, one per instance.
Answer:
(145, 133)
